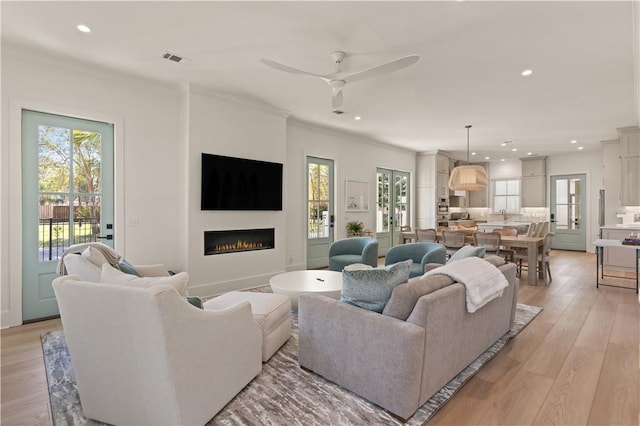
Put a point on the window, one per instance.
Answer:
(506, 195)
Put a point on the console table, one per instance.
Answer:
(600, 245)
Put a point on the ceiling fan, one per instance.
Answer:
(338, 79)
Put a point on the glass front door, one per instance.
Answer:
(568, 212)
(320, 215)
(67, 190)
(392, 207)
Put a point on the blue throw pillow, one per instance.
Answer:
(127, 268)
(467, 251)
(371, 288)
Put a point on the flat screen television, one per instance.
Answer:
(230, 183)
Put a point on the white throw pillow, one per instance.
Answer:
(79, 265)
(94, 256)
(111, 275)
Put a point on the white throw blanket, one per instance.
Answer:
(112, 257)
(483, 281)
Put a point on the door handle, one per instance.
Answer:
(108, 237)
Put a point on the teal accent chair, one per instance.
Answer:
(420, 253)
(353, 250)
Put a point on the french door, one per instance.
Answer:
(320, 211)
(568, 212)
(392, 207)
(67, 198)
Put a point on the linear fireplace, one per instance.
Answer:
(237, 240)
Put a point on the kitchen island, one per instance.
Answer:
(614, 258)
(490, 226)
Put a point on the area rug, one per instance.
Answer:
(282, 394)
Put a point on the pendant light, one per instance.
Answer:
(468, 177)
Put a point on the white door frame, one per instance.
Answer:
(11, 213)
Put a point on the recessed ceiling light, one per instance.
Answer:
(581, 147)
(529, 153)
(487, 158)
(473, 153)
(574, 141)
(357, 117)
(526, 73)
(83, 28)
(502, 159)
(514, 149)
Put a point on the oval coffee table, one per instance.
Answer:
(294, 283)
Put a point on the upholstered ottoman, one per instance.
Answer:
(272, 312)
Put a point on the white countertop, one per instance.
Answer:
(630, 227)
(502, 223)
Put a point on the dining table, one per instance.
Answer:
(533, 246)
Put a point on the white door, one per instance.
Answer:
(392, 207)
(67, 198)
(569, 212)
(320, 211)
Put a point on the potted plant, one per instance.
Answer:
(354, 228)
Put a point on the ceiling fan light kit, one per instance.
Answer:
(338, 79)
(468, 177)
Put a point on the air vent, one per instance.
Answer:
(172, 57)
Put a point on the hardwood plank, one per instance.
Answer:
(518, 403)
(569, 401)
(548, 358)
(616, 398)
(626, 326)
(597, 328)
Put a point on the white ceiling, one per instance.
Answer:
(472, 54)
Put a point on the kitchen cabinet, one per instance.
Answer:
(533, 188)
(432, 186)
(631, 181)
(617, 258)
(442, 164)
(630, 165)
(479, 198)
(442, 180)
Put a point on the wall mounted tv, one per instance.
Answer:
(230, 183)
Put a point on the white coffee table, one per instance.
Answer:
(294, 283)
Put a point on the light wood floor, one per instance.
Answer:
(576, 363)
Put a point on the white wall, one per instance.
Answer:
(149, 181)
(354, 158)
(233, 128)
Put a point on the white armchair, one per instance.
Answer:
(146, 356)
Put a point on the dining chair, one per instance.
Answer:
(543, 257)
(426, 235)
(405, 228)
(489, 240)
(506, 251)
(532, 230)
(541, 229)
(452, 240)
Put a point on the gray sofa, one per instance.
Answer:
(399, 362)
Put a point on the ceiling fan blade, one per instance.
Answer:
(288, 69)
(395, 65)
(336, 99)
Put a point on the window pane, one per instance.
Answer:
(86, 162)
(513, 187)
(513, 203)
(53, 226)
(562, 196)
(501, 187)
(54, 153)
(500, 203)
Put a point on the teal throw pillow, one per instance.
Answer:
(195, 301)
(467, 251)
(371, 288)
(127, 268)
